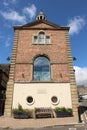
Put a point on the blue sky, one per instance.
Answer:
(71, 13)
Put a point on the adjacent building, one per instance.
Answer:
(4, 76)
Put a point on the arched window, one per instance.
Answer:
(41, 37)
(41, 68)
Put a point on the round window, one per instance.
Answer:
(30, 100)
(54, 100)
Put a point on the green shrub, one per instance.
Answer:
(21, 111)
(69, 110)
(63, 110)
(58, 109)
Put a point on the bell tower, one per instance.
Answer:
(41, 16)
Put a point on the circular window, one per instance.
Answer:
(54, 100)
(30, 100)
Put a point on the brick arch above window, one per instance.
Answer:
(41, 55)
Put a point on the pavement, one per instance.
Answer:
(9, 122)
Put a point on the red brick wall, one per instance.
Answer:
(56, 51)
(23, 72)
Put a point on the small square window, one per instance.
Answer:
(35, 39)
(47, 39)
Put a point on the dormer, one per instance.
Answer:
(41, 16)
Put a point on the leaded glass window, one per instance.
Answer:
(42, 68)
(41, 37)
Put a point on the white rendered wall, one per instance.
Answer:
(42, 94)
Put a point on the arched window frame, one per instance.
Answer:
(42, 75)
(41, 38)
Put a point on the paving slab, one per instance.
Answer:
(9, 122)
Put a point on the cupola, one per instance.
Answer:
(41, 16)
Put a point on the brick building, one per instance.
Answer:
(41, 72)
(4, 76)
(82, 89)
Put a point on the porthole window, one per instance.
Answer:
(54, 100)
(30, 100)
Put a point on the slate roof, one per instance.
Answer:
(42, 21)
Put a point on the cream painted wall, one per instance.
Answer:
(42, 93)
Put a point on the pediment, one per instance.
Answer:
(41, 24)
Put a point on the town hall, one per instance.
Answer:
(41, 70)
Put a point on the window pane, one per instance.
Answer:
(45, 68)
(45, 76)
(37, 68)
(41, 69)
(35, 39)
(47, 39)
(37, 75)
(41, 37)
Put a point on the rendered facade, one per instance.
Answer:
(41, 72)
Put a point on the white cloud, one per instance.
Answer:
(5, 3)
(81, 75)
(14, 16)
(76, 24)
(30, 11)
